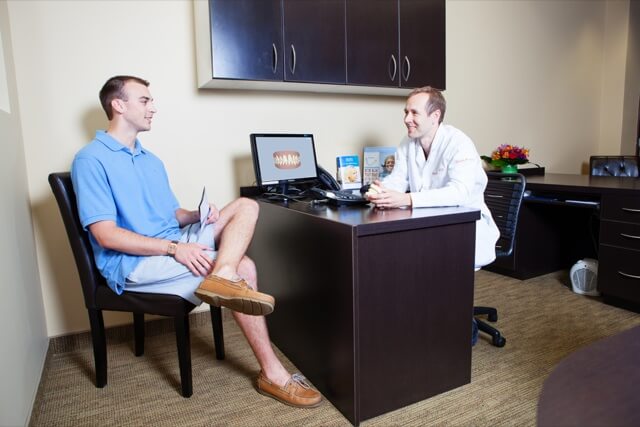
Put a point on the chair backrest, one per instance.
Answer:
(90, 277)
(622, 166)
(503, 197)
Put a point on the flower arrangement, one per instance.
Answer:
(507, 154)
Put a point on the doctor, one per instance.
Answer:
(439, 166)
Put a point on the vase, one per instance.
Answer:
(510, 169)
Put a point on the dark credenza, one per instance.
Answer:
(373, 306)
(555, 230)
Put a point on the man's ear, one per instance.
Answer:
(437, 114)
(117, 105)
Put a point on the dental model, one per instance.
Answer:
(373, 189)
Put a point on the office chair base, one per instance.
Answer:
(496, 337)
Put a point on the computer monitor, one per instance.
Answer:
(283, 160)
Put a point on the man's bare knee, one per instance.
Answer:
(248, 206)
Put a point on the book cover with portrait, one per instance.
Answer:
(378, 162)
(348, 172)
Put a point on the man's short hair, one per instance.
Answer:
(114, 89)
(436, 100)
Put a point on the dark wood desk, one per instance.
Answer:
(595, 386)
(554, 234)
(373, 306)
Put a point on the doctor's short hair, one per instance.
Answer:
(436, 100)
(114, 89)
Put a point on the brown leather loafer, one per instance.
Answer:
(296, 392)
(235, 295)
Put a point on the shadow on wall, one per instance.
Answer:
(243, 174)
(585, 168)
(64, 293)
(92, 120)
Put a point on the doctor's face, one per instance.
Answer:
(420, 124)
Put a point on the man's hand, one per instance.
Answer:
(214, 214)
(384, 198)
(194, 257)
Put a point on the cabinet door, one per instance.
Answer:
(246, 39)
(422, 43)
(372, 42)
(314, 41)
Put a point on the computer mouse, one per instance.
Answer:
(364, 189)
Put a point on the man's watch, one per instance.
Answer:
(173, 247)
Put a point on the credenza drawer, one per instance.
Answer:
(621, 208)
(619, 272)
(624, 234)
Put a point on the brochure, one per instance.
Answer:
(378, 162)
(349, 172)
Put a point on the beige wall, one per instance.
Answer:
(631, 113)
(525, 72)
(23, 332)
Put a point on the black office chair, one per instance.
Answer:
(98, 296)
(503, 197)
(622, 166)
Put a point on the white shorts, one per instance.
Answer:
(162, 274)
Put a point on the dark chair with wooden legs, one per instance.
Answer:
(503, 197)
(98, 296)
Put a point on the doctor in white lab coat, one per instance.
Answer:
(439, 166)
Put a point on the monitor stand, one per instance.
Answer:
(283, 193)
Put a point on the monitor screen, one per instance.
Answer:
(283, 159)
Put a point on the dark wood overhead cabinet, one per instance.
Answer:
(246, 39)
(396, 43)
(353, 46)
(314, 41)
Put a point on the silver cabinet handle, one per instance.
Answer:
(495, 196)
(629, 236)
(275, 58)
(293, 59)
(631, 210)
(630, 276)
(392, 76)
(407, 68)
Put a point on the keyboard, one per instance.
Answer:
(337, 197)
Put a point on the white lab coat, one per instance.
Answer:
(451, 176)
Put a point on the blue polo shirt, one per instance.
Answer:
(132, 189)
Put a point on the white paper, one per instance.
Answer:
(204, 208)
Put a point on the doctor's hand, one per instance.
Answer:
(387, 199)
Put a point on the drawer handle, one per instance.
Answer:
(392, 76)
(630, 276)
(407, 69)
(629, 236)
(293, 60)
(274, 68)
(494, 196)
(631, 210)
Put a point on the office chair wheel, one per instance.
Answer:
(499, 341)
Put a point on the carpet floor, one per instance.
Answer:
(541, 318)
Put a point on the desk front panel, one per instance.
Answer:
(414, 298)
(375, 320)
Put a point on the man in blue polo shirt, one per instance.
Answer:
(143, 241)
